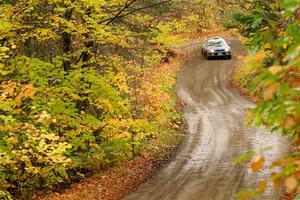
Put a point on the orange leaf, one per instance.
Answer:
(295, 82)
(289, 122)
(277, 163)
(257, 163)
(298, 15)
(291, 183)
(297, 174)
(297, 142)
(270, 92)
(277, 183)
(298, 189)
(262, 186)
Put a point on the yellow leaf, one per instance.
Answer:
(26, 91)
(245, 197)
(257, 163)
(9, 87)
(270, 92)
(291, 183)
(275, 69)
(284, 46)
(267, 83)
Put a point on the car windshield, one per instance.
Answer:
(216, 43)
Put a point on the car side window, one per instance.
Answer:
(205, 43)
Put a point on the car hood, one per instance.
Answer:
(218, 47)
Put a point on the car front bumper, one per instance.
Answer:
(219, 54)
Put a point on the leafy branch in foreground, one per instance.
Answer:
(273, 27)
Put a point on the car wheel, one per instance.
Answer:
(229, 57)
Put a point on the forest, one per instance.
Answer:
(83, 86)
(89, 84)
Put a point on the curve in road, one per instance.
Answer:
(203, 169)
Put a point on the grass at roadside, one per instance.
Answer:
(242, 75)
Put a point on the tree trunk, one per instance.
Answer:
(67, 42)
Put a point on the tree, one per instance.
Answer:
(82, 85)
(273, 27)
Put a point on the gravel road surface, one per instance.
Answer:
(203, 168)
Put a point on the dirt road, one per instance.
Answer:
(203, 169)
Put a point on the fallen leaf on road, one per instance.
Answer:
(257, 163)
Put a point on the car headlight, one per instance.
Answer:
(211, 51)
(227, 49)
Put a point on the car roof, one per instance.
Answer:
(216, 39)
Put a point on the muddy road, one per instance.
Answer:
(203, 168)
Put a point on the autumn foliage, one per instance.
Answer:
(273, 36)
(85, 85)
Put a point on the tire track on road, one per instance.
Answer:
(203, 169)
